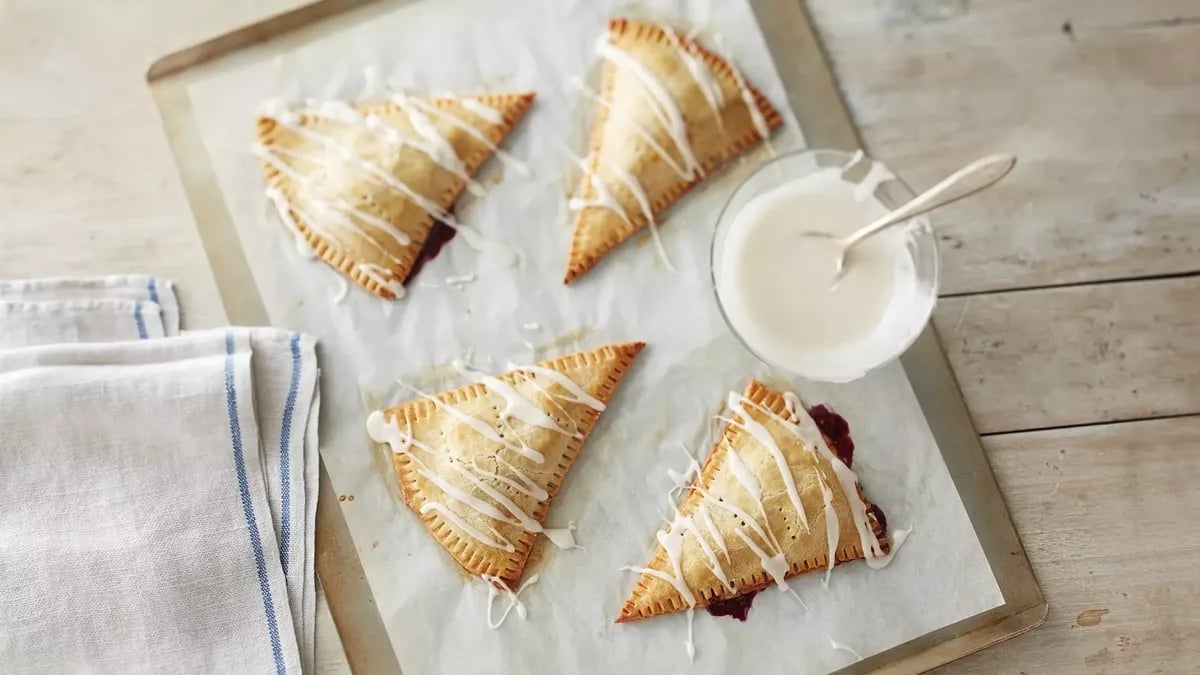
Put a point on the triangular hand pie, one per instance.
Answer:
(363, 185)
(481, 464)
(771, 501)
(669, 113)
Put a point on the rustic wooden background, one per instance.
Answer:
(1072, 291)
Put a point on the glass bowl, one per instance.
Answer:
(901, 323)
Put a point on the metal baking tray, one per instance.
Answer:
(814, 98)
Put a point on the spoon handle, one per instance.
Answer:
(966, 181)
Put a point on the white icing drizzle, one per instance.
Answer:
(484, 429)
(496, 587)
(756, 116)
(634, 126)
(515, 405)
(701, 74)
(469, 129)
(484, 497)
(397, 235)
(431, 142)
(832, 531)
(683, 480)
(897, 539)
(343, 289)
(371, 170)
(563, 537)
(482, 110)
(337, 213)
(333, 212)
(711, 527)
(666, 109)
(605, 199)
(281, 207)
(635, 188)
(461, 279)
(839, 647)
(503, 252)
(760, 433)
(532, 325)
(402, 442)
(577, 394)
(520, 482)
(495, 539)
(690, 644)
(806, 430)
(381, 276)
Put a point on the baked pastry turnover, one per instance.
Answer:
(771, 501)
(669, 112)
(364, 184)
(481, 464)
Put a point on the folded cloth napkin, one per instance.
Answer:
(286, 403)
(282, 384)
(27, 322)
(131, 287)
(133, 537)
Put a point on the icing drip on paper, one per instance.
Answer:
(460, 280)
(496, 587)
(839, 647)
(343, 289)
(898, 537)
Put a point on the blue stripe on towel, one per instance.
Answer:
(153, 288)
(140, 321)
(235, 434)
(285, 456)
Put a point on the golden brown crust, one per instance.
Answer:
(414, 168)
(598, 372)
(803, 550)
(599, 230)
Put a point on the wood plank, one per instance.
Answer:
(1105, 119)
(1107, 515)
(1077, 355)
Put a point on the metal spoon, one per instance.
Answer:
(985, 172)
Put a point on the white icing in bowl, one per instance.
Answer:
(772, 283)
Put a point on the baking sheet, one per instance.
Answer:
(614, 492)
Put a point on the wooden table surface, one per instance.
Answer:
(1072, 291)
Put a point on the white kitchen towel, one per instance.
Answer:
(134, 287)
(285, 401)
(25, 323)
(144, 541)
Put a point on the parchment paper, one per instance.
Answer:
(616, 489)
